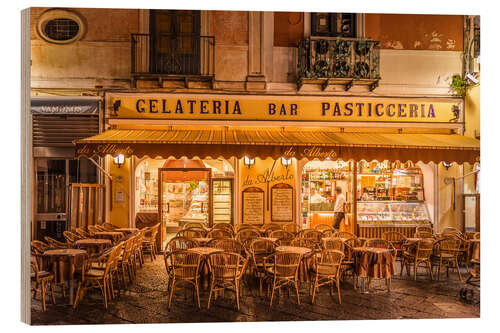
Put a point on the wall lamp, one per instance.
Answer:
(447, 165)
(286, 162)
(248, 161)
(119, 159)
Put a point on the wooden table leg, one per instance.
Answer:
(71, 283)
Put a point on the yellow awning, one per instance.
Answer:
(274, 143)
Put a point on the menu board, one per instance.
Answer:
(282, 203)
(253, 206)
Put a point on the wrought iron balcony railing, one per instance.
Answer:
(173, 54)
(357, 60)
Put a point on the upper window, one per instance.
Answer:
(333, 24)
(60, 26)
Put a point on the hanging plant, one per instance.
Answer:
(458, 86)
(320, 68)
(341, 69)
(322, 46)
(361, 69)
(362, 47)
(342, 49)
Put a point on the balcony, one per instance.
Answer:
(174, 58)
(338, 61)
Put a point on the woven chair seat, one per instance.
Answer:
(95, 273)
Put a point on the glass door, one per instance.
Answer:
(222, 200)
(185, 196)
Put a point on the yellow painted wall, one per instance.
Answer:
(472, 111)
(119, 213)
(447, 216)
(261, 174)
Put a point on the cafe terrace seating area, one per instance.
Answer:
(274, 262)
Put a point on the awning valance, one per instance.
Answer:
(263, 143)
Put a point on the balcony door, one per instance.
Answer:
(175, 42)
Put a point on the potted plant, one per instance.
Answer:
(458, 86)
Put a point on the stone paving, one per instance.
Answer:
(146, 301)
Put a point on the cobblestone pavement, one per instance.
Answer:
(146, 301)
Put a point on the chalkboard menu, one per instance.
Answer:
(253, 206)
(282, 203)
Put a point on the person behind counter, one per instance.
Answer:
(339, 208)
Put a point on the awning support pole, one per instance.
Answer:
(99, 167)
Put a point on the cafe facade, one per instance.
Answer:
(255, 159)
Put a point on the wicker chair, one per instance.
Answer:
(39, 247)
(310, 243)
(92, 229)
(311, 233)
(284, 237)
(194, 225)
(224, 225)
(42, 279)
(220, 233)
(260, 249)
(425, 228)
(245, 236)
(181, 243)
(270, 227)
(100, 227)
(333, 244)
(137, 255)
(281, 270)
(100, 278)
(183, 267)
(447, 253)
(149, 242)
(477, 235)
(323, 227)
(229, 245)
(422, 255)
(290, 227)
(226, 271)
(55, 244)
(191, 233)
(326, 269)
(125, 263)
(397, 239)
(82, 233)
(109, 226)
(70, 237)
(345, 234)
(348, 264)
(424, 234)
(329, 232)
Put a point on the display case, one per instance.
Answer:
(392, 212)
(222, 194)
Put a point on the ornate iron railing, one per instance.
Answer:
(175, 54)
(338, 58)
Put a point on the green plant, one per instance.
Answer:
(458, 86)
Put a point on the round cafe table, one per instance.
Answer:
(374, 263)
(113, 236)
(93, 245)
(64, 263)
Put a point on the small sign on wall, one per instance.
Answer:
(119, 196)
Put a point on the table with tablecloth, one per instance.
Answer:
(64, 263)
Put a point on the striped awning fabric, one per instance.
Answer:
(265, 143)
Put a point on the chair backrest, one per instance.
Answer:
(424, 249)
(476, 235)
(39, 247)
(92, 229)
(99, 227)
(329, 232)
(226, 265)
(224, 225)
(333, 244)
(69, 236)
(290, 227)
(448, 246)
(82, 233)
(423, 234)
(349, 244)
(127, 249)
(311, 233)
(425, 228)
(282, 234)
(220, 233)
(394, 236)
(228, 245)
(246, 226)
(154, 230)
(451, 231)
(55, 244)
(194, 225)
(286, 264)
(183, 264)
(345, 234)
(378, 243)
(270, 227)
(323, 227)
(245, 234)
(328, 262)
(181, 243)
(310, 243)
(190, 233)
(109, 226)
(261, 248)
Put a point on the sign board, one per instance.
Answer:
(279, 108)
(253, 206)
(282, 203)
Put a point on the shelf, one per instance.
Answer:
(392, 201)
